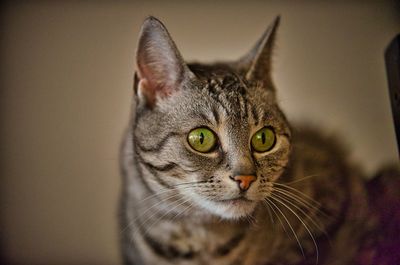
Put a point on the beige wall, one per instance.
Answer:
(66, 79)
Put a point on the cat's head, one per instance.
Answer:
(213, 134)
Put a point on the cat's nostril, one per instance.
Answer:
(244, 181)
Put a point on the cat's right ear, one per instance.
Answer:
(161, 71)
(256, 64)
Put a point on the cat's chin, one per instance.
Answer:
(230, 209)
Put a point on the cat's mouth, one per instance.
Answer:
(240, 200)
(234, 207)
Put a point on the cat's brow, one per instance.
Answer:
(255, 115)
(205, 118)
(215, 114)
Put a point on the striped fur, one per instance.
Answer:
(175, 206)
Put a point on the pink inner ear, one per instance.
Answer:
(147, 91)
(157, 79)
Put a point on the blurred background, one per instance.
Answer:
(66, 87)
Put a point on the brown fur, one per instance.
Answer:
(308, 204)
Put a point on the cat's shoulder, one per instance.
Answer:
(312, 142)
(323, 153)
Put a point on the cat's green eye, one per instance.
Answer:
(202, 140)
(263, 140)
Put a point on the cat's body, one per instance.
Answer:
(304, 204)
(195, 238)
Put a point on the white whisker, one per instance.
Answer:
(301, 179)
(305, 226)
(301, 201)
(305, 196)
(290, 226)
(139, 215)
(165, 214)
(314, 222)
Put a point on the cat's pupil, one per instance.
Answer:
(201, 138)
(263, 138)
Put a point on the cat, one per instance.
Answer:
(214, 173)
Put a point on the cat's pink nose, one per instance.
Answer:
(244, 181)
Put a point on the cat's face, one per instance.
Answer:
(212, 134)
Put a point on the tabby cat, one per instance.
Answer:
(213, 173)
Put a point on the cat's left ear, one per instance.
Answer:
(256, 64)
(161, 70)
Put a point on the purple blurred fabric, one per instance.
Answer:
(381, 246)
